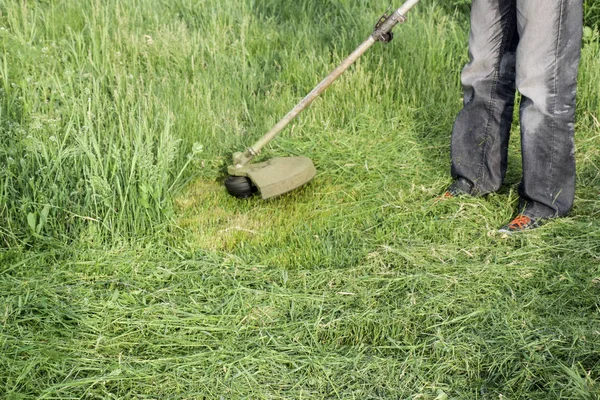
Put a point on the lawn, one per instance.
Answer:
(127, 271)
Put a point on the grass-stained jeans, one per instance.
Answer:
(532, 46)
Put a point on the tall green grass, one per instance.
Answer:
(126, 271)
(107, 107)
(592, 13)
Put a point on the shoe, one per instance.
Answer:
(520, 223)
(459, 187)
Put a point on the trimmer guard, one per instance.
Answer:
(278, 175)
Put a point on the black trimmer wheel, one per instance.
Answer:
(240, 186)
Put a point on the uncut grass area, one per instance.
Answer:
(127, 271)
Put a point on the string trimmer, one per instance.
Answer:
(282, 174)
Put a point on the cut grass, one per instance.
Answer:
(394, 325)
(128, 272)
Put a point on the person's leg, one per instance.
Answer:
(481, 130)
(547, 61)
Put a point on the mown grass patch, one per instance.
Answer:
(473, 324)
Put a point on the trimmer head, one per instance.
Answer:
(272, 178)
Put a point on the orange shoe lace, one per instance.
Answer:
(519, 222)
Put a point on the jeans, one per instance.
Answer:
(532, 46)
